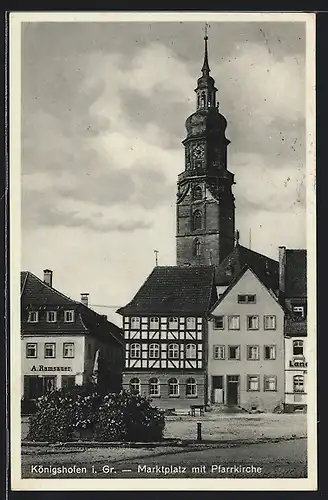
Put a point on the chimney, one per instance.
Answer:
(282, 269)
(85, 299)
(47, 276)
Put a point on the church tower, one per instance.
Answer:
(205, 208)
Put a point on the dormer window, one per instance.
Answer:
(33, 317)
(69, 316)
(299, 312)
(51, 316)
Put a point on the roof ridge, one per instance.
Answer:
(257, 253)
(51, 288)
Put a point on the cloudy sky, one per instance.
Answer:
(103, 112)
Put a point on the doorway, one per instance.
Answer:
(232, 389)
(217, 389)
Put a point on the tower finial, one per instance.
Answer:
(206, 68)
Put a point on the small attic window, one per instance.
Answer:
(33, 317)
(69, 316)
(247, 299)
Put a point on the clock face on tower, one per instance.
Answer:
(198, 151)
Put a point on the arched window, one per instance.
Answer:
(198, 100)
(135, 385)
(298, 383)
(197, 220)
(203, 100)
(196, 249)
(173, 351)
(135, 322)
(298, 348)
(173, 323)
(154, 387)
(154, 322)
(190, 351)
(197, 193)
(209, 102)
(173, 387)
(153, 351)
(135, 350)
(191, 387)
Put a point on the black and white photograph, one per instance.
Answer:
(162, 217)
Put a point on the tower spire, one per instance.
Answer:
(206, 69)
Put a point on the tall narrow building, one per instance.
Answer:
(205, 202)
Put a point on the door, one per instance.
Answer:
(232, 389)
(217, 389)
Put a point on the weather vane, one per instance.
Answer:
(206, 28)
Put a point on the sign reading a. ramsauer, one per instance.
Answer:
(42, 368)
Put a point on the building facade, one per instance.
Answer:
(246, 347)
(64, 342)
(165, 330)
(293, 295)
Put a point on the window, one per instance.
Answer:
(233, 322)
(269, 322)
(68, 381)
(173, 323)
(253, 382)
(135, 385)
(49, 350)
(196, 250)
(135, 322)
(253, 352)
(190, 351)
(154, 388)
(191, 387)
(269, 352)
(298, 312)
(246, 299)
(173, 351)
(51, 316)
(33, 317)
(69, 316)
(298, 348)
(197, 220)
(270, 383)
(234, 352)
(31, 351)
(298, 383)
(173, 387)
(154, 322)
(198, 193)
(218, 323)
(252, 322)
(68, 350)
(49, 384)
(153, 351)
(135, 351)
(218, 352)
(191, 322)
(202, 99)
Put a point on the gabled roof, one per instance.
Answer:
(266, 269)
(296, 273)
(34, 290)
(37, 294)
(174, 290)
(235, 281)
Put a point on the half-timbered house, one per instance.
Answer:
(165, 332)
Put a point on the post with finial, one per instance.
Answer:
(156, 257)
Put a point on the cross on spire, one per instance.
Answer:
(206, 68)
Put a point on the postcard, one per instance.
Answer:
(162, 219)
